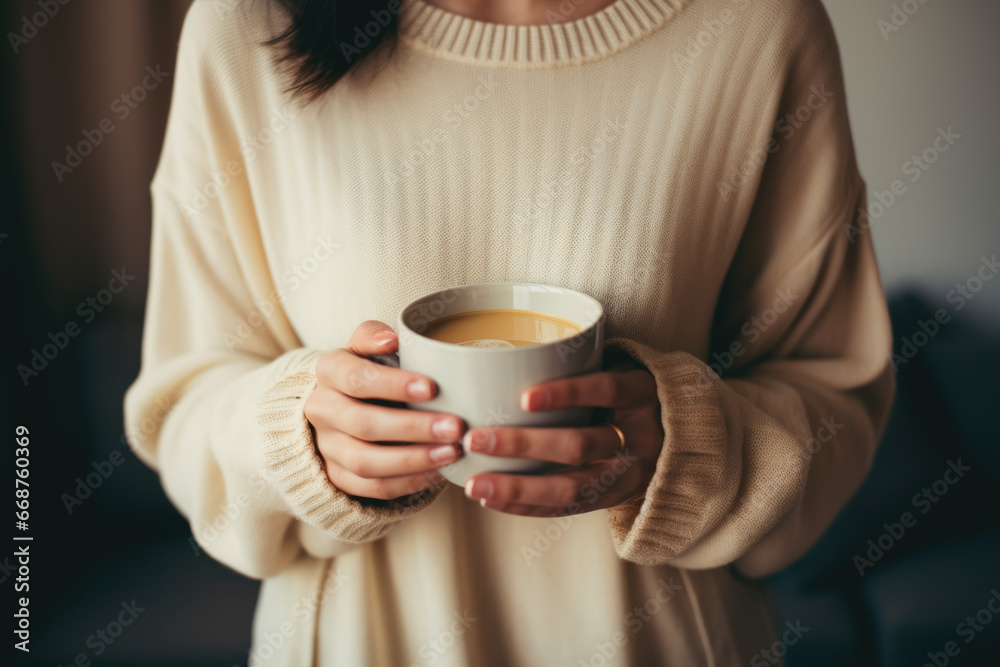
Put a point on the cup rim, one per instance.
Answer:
(460, 349)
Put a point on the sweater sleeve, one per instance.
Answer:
(217, 408)
(768, 437)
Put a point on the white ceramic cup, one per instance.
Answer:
(483, 386)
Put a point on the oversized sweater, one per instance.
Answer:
(686, 162)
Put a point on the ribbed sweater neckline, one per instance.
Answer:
(576, 41)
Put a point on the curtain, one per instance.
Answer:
(91, 81)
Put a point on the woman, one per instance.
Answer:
(686, 162)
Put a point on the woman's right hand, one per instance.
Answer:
(348, 430)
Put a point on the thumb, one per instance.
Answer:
(373, 337)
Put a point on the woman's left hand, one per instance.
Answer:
(604, 476)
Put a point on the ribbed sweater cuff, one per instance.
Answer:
(295, 467)
(690, 471)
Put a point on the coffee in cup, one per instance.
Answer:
(484, 344)
(501, 327)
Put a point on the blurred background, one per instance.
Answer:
(923, 93)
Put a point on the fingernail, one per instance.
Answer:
(445, 430)
(419, 389)
(479, 489)
(383, 337)
(435, 477)
(444, 454)
(536, 400)
(482, 440)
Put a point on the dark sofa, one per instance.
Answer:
(917, 549)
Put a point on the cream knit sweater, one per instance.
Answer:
(686, 162)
